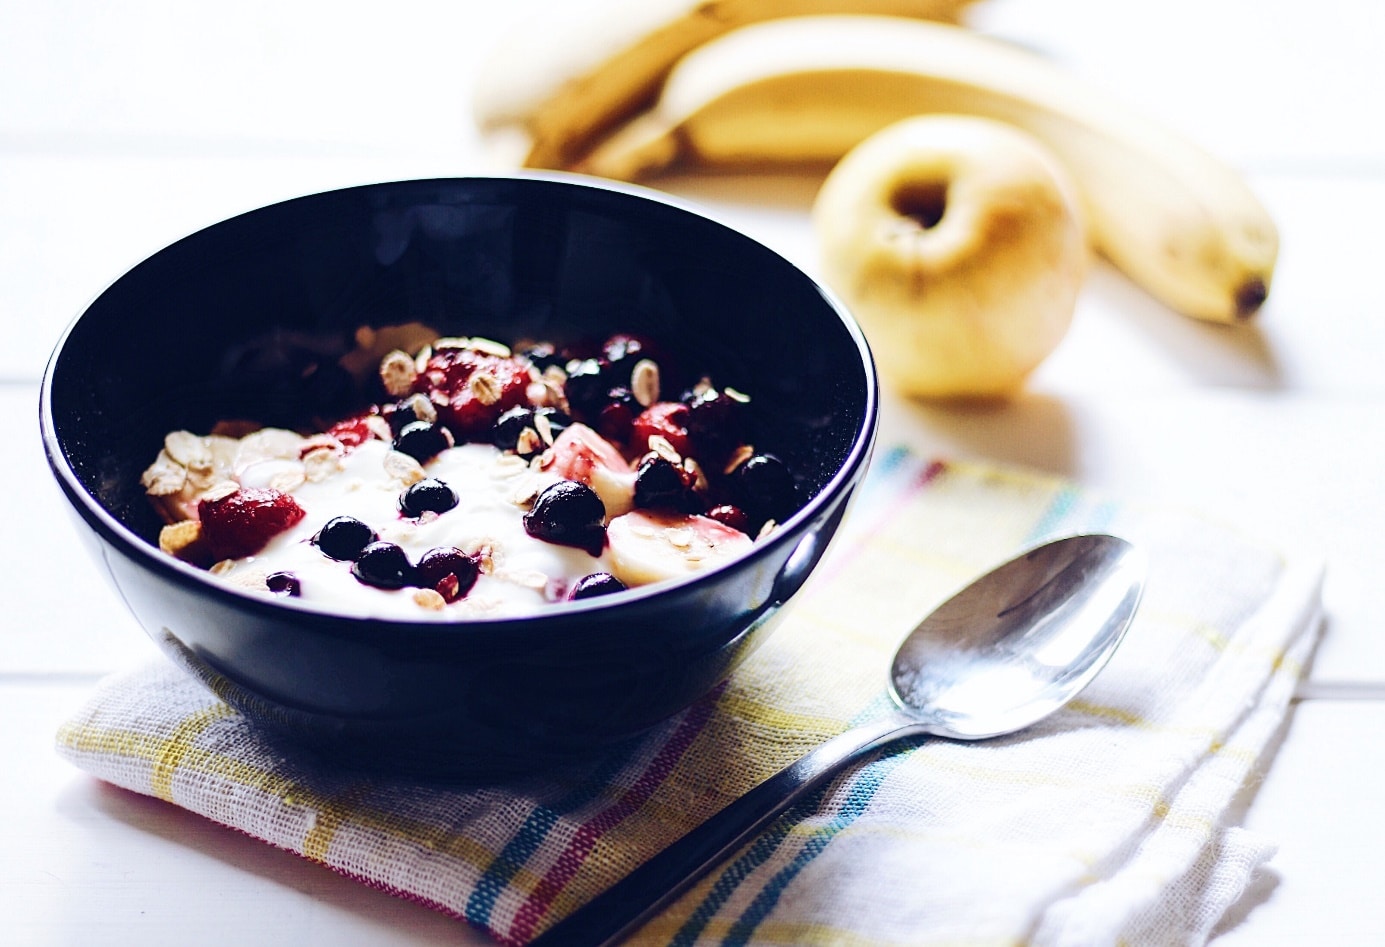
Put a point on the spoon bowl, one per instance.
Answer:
(1002, 654)
(1021, 641)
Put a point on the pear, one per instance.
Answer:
(958, 244)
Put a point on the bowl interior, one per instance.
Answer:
(258, 317)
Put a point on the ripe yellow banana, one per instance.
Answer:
(549, 89)
(805, 90)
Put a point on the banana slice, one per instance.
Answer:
(648, 546)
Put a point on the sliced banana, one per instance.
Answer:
(648, 546)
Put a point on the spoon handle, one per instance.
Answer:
(634, 899)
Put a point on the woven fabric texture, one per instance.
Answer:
(1102, 825)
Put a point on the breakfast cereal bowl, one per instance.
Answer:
(283, 319)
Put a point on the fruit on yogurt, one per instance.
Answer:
(652, 545)
(429, 495)
(242, 521)
(598, 583)
(384, 565)
(569, 513)
(343, 537)
(485, 481)
(448, 571)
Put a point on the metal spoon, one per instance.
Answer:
(1002, 654)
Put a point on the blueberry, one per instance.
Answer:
(510, 425)
(383, 565)
(427, 496)
(543, 355)
(765, 489)
(568, 513)
(558, 421)
(661, 484)
(616, 417)
(587, 387)
(403, 413)
(598, 583)
(715, 422)
(422, 440)
(437, 567)
(343, 537)
(625, 349)
(505, 433)
(285, 584)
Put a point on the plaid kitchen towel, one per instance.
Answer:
(1102, 825)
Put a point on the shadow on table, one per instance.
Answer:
(1031, 430)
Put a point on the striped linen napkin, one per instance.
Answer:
(1102, 825)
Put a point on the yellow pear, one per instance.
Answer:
(958, 245)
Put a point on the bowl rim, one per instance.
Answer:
(190, 577)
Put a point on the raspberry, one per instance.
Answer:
(240, 524)
(668, 419)
(352, 432)
(473, 389)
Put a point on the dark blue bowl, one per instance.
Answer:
(251, 317)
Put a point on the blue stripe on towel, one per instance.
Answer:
(525, 842)
(861, 790)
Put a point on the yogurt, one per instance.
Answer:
(519, 573)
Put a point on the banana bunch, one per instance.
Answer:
(799, 91)
(546, 93)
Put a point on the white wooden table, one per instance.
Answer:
(125, 126)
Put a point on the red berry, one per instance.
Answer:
(476, 389)
(448, 571)
(352, 432)
(240, 524)
(668, 419)
(732, 516)
(617, 416)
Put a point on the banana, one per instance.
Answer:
(551, 86)
(805, 90)
(650, 546)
